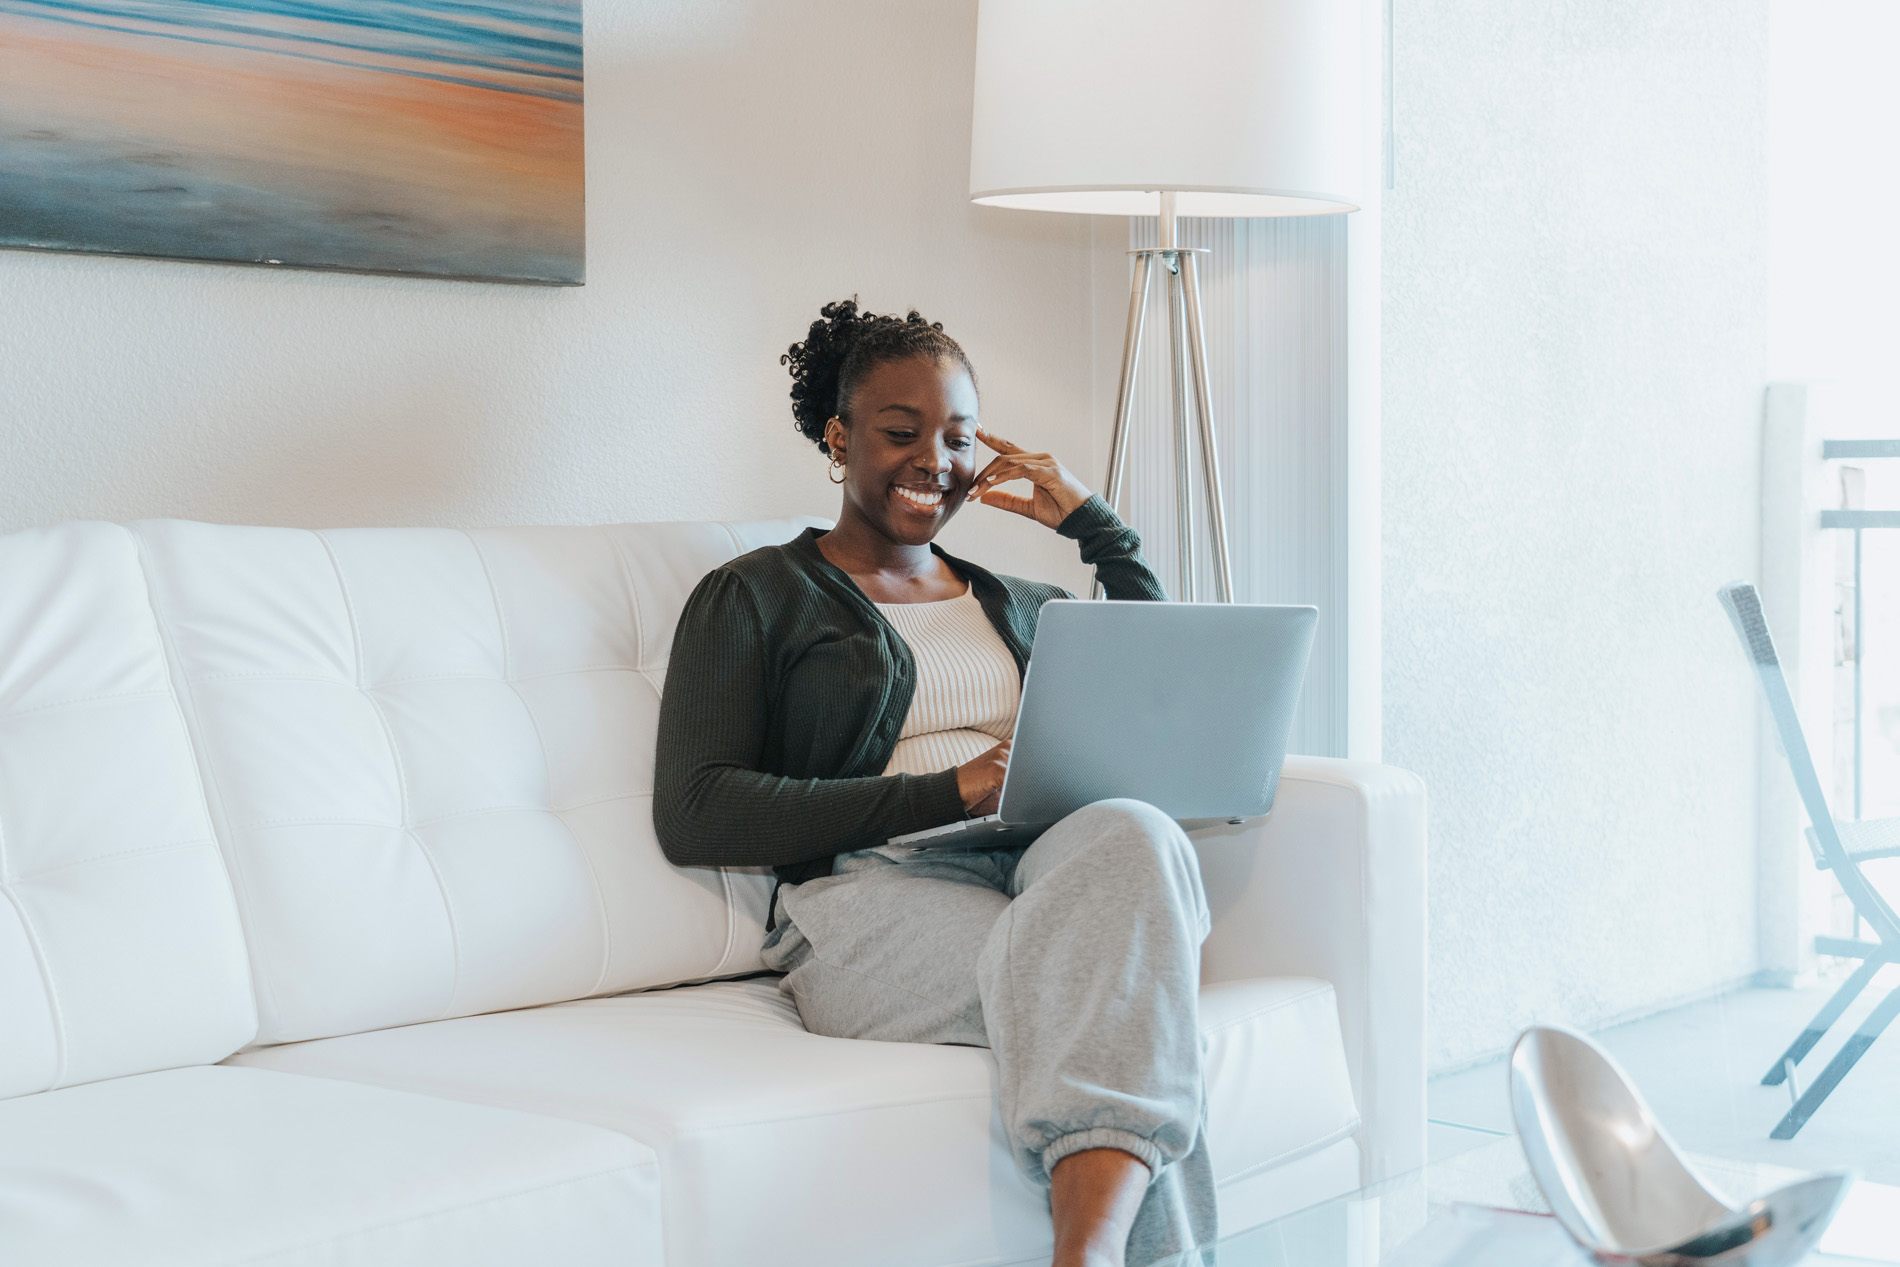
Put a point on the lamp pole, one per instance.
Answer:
(1187, 346)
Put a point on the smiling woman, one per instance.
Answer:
(419, 137)
(850, 686)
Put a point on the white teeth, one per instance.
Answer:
(922, 500)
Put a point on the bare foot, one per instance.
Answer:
(1094, 1196)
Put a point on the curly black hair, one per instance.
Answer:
(844, 345)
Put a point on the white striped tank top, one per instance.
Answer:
(967, 685)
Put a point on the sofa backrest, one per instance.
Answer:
(428, 755)
(120, 950)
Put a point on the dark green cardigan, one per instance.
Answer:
(787, 690)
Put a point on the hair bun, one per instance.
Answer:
(815, 364)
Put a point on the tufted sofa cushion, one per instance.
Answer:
(119, 943)
(428, 754)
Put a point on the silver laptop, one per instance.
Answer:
(1184, 705)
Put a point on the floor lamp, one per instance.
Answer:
(1182, 108)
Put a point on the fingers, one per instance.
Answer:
(1025, 506)
(981, 777)
(987, 783)
(996, 442)
(1037, 468)
(976, 484)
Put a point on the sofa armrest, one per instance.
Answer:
(1331, 884)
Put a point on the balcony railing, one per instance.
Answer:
(1859, 521)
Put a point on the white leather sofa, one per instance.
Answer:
(334, 931)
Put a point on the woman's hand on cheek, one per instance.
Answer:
(980, 780)
(1055, 493)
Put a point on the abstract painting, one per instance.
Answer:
(395, 136)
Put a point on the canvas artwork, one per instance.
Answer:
(399, 136)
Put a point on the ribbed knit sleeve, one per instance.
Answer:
(712, 804)
(1113, 549)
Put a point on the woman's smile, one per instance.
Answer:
(920, 499)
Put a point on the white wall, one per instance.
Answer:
(1574, 356)
(746, 161)
(1835, 260)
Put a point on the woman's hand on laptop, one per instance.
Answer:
(980, 780)
(1054, 495)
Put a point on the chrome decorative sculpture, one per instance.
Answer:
(1616, 1182)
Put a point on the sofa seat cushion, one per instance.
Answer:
(781, 1146)
(215, 1165)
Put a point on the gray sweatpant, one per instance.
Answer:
(1076, 960)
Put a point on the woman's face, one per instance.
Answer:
(910, 449)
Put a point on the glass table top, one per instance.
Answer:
(1414, 1219)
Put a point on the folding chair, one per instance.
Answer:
(1840, 848)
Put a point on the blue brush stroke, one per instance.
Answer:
(415, 17)
(411, 29)
(420, 23)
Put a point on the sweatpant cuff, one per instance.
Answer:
(1104, 1137)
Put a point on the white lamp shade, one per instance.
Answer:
(1242, 107)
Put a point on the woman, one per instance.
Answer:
(858, 684)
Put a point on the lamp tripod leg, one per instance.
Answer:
(1183, 442)
(1125, 393)
(1131, 359)
(1210, 451)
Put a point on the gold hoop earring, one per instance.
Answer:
(837, 464)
